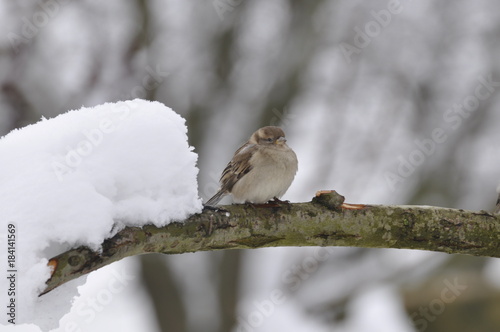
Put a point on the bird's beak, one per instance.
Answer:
(281, 140)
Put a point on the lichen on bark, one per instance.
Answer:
(325, 221)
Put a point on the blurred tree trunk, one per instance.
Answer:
(229, 283)
(164, 293)
(447, 301)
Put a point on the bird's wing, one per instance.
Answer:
(238, 166)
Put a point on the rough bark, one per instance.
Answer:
(325, 221)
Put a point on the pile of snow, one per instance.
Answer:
(76, 180)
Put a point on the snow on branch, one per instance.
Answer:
(79, 178)
(325, 221)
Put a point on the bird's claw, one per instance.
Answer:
(213, 208)
(278, 201)
(275, 202)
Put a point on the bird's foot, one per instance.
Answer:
(213, 208)
(273, 203)
(278, 201)
(259, 205)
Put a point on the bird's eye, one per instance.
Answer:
(269, 139)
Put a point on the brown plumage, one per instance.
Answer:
(261, 169)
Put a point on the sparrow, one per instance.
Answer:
(261, 169)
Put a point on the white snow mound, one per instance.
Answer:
(78, 178)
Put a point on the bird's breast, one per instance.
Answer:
(271, 174)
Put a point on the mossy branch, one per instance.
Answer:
(325, 221)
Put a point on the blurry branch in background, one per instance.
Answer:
(325, 221)
(165, 295)
(21, 110)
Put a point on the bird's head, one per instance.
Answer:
(269, 135)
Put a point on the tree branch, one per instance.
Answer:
(325, 221)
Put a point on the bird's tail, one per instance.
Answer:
(216, 198)
(497, 208)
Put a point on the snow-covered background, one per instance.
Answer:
(391, 102)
